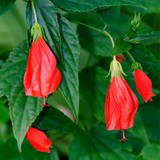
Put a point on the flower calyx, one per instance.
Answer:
(37, 31)
(116, 69)
(136, 66)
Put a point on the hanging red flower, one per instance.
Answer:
(38, 140)
(121, 103)
(144, 85)
(42, 77)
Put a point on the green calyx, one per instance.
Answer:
(136, 66)
(37, 31)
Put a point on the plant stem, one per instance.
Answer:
(133, 60)
(34, 11)
(112, 41)
(101, 31)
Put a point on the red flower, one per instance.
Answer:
(120, 106)
(42, 77)
(38, 140)
(121, 103)
(144, 85)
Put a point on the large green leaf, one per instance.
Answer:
(5, 5)
(151, 152)
(120, 47)
(93, 89)
(151, 7)
(148, 38)
(149, 63)
(23, 109)
(99, 145)
(28, 152)
(83, 5)
(109, 15)
(138, 129)
(47, 18)
(54, 120)
(71, 52)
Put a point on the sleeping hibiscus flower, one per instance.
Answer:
(38, 140)
(121, 103)
(144, 85)
(42, 77)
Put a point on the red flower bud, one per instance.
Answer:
(38, 140)
(42, 77)
(144, 85)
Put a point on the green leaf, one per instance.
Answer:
(149, 63)
(148, 38)
(23, 109)
(109, 15)
(151, 152)
(84, 6)
(4, 113)
(13, 69)
(28, 152)
(69, 85)
(5, 5)
(151, 7)
(99, 145)
(120, 47)
(54, 120)
(147, 114)
(47, 18)
(93, 89)
(138, 129)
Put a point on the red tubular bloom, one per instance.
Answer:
(120, 106)
(38, 140)
(121, 103)
(144, 85)
(42, 77)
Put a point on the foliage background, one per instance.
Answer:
(98, 143)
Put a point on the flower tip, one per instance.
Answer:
(123, 139)
(44, 105)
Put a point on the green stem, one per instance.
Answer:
(112, 41)
(101, 31)
(34, 11)
(133, 60)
